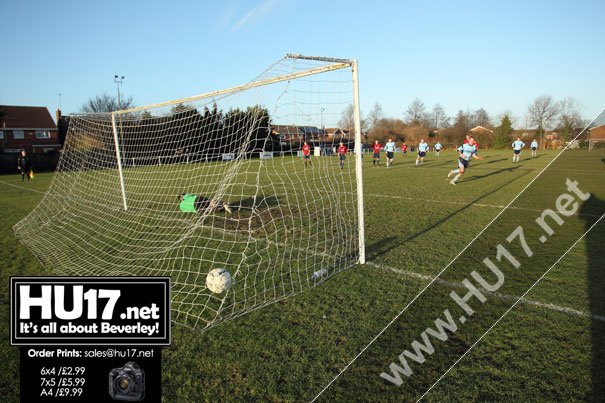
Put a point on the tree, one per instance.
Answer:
(542, 113)
(105, 103)
(502, 133)
(508, 113)
(481, 118)
(437, 118)
(569, 117)
(347, 119)
(454, 135)
(375, 116)
(415, 113)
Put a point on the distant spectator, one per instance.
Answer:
(24, 165)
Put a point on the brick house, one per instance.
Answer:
(597, 133)
(29, 128)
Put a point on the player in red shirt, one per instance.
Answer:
(342, 154)
(306, 150)
(404, 149)
(376, 148)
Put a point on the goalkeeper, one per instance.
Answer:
(190, 203)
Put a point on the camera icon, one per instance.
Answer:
(127, 383)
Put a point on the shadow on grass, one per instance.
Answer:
(491, 162)
(461, 209)
(251, 203)
(499, 171)
(378, 248)
(595, 247)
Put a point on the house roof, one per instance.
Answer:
(481, 129)
(287, 129)
(25, 117)
(332, 130)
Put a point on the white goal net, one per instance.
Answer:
(215, 181)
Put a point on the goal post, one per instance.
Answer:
(214, 181)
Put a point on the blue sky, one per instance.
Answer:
(461, 54)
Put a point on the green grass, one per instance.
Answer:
(416, 223)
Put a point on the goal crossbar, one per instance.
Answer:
(316, 70)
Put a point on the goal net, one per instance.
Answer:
(213, 181)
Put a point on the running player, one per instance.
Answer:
(342, 154)
(376, 148)
(389, 147)
(404, 149)
(306, 150)
(534, 148)
(465, 152)
(517, 146)
(438, 148)
(422, 150)
(476, 142)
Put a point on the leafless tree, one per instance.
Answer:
(375, 116)
(105, 103)
(415, 113)
(542, 113)
(570, 116)
(437, 118)
(481, 118)
(347, 119)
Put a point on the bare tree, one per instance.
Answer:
(437, 118)
(105, 103)
(347, 119)
(542, 113)
(570, 117)
(481, 118)
(415, 113)
(375, 116)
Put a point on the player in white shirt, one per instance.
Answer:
(438, 148)
(422, 150)
(389, 147)
(534, 147)
(517, 146)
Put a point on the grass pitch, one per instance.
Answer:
(551, 346)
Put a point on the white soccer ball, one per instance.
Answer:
(218, 280)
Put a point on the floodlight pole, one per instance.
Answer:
(119, 159)
(118, 81)
(358, 164)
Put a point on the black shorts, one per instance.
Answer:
(462, 162)
(342, 157)
(201, 203)
(534, 148)
(376, 155)
(517, 151)
(390, 155)
(307, 157)
(421, 154)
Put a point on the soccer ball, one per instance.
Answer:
(218, 280)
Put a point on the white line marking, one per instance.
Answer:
(23, 188)
(552, 307)
(497, 206)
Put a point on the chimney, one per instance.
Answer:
(58, 116)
